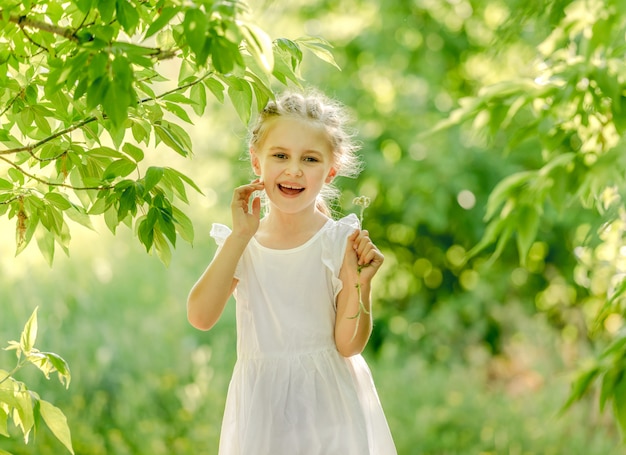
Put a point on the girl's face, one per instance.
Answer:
(294, 160)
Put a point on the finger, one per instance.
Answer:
(352, 239)
(256, 207)
(250, 187)
(361, 243)
(241, 195)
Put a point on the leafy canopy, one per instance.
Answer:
(569, 115)
(80, 105)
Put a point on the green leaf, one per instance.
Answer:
(127, 16)
(241, 97)
(262, 92)
(79, 216)
(4, 418)
(29, 334)
(607, 388)
(106, 8)
(49, 362)
(145, 230)
(619, 405)
(216, 88)
(133, 151)
(196, 26)
(162, 248)
(16, 176)
(166, 225)
(97, 92)
(141, 131)
(581, 384)
(119, 168)
(173, 136)
(259, 45)
(57, 422)
(184, 226)
(5, 184)
(111, 219)
(178, 111)
(45, 242)
(198, 95)
(173, 182)
(59, 200)
(97, 65)
(184, 178)
(505, 188)
(225, 55)
(527, 226)
(493, 231)
(320, 47)
(290, 48)
(104, 152)
(153, 176)
(128, 202)
(167, 13)
(25, 418)
(119, 94)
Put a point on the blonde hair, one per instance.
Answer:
(331, 115)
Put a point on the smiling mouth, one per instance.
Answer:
(290, 189)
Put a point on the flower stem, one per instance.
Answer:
(363, 202)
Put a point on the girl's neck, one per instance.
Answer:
(286, 230)
(280, 222)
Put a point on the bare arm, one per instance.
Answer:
(208, 297)
(352, 334)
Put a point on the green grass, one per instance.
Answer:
(145, 382)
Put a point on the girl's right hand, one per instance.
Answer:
(246, 221)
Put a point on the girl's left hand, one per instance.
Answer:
(365, 254)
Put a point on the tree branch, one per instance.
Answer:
(25, 21)
(70, 34)
(47, 182)
(29, 148)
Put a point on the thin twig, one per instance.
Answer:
(8, 201)
(47, 182)
(71, 34)
(40, 46)
(29, 148)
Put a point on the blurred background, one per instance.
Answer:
(467, 358)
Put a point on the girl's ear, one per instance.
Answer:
(254, 160)
(331, 175)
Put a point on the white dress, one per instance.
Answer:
(292, 393)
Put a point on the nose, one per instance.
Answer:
(294, 168)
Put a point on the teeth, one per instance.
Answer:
(291, 187)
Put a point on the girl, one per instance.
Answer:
(300, 385)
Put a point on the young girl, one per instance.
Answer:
(300, 385)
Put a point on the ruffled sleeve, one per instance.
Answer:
(334, 246)
(220, 232)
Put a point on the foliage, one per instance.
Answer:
(149, 384)
(536, 79)
(82, 99)
(534, 149)
(24, 406)
(568, 113)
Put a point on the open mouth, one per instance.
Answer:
(290, 189)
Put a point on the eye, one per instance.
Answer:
(311, 159)
(280, 156)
